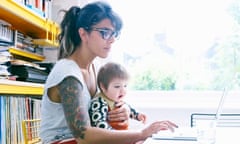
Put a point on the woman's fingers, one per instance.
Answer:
(160, 125)
(168, 125)
(121, 113)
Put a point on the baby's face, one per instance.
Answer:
(117, 89)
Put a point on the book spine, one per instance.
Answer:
(15, 109)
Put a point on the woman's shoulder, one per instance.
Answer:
(65, 65)
(62, 69)
(67, 62)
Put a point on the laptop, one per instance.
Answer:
(188, 133)
(220, 105)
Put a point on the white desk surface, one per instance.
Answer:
(224, 135)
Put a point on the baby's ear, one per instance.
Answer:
(102, 87)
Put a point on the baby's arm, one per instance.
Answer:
(137, 116)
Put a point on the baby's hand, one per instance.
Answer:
(142, 117)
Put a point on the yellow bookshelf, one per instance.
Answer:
(11, 87)
(29, 55)
(26, 21)
(22, 99)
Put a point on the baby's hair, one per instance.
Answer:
(110, 71)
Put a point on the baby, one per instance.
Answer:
(112, 80)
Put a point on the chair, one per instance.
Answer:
(30, 129)
(225, 120)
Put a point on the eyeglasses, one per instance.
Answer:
(106, 33)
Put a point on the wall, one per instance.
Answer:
(64, 5)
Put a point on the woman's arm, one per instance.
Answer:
(75, 107)
(103, 136)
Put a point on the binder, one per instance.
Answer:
(28, 74)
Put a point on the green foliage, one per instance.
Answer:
(153, 80)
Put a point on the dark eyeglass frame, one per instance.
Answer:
(106, 33)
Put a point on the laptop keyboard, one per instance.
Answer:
(181, 133)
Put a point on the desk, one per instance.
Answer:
(224, 135)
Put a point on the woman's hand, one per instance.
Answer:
(121, 113)
(157, 126)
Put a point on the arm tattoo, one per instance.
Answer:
(75, 106)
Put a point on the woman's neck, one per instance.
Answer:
(82, 59)
(85, 64)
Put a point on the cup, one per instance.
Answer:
(206, 131)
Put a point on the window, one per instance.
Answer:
(179, 45)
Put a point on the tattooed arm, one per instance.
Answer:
(76, 112)
(75, 106)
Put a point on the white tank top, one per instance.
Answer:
(53, 122)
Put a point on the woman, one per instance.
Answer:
(86, 33)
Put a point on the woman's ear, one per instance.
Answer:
(83, 34)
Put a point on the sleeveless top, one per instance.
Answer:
(53, 123)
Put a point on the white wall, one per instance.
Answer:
(65, 5)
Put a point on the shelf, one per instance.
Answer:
(23, 19)
(44, 42)
(17, 88)
(19, 52)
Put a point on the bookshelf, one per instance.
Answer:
(18, 101)
(23, 19)
(9, 87)
(26, 54)
(43, 30)
(22, 100)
